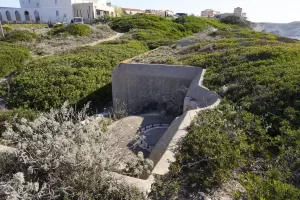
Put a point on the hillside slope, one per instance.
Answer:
(291, 30)
(252, 139)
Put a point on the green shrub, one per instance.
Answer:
(19, 36)
(104, 19)
(219, 142)
(157, 31)
(6, 28)
(10, 115)
(78, 78)
(258, 141)
(235, 20)
(155, 44)
(72, 29)
(195, 24)
(269, 189)
(144, 21)
(12, 57)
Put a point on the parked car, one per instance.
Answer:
(77, 20)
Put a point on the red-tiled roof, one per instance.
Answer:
(132, 9)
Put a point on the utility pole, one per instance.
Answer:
(1, 30)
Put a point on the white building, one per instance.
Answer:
(35, 11)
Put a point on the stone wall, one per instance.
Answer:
(144, 87)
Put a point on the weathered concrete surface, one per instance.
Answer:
(129, 127)
(199, 96)
(198, 99)
(143, 87)
(163, 153)
(142, 185)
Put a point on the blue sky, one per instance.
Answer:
(258, 10)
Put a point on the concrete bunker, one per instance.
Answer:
(146, 88)
(181, 92)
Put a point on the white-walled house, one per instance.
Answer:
(35, 11)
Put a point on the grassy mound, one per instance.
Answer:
(72, 29)
(254, 136)
(155, 31)
(12, 57)
(194, 24)
(19, 36)
(82, 76)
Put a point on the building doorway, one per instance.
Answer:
(18, 16)
(8, 16)
(37, 16)
(27, 17)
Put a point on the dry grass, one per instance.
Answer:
(47, 45)
(175, 54)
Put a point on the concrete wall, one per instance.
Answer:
(198, 98)
(143, 87)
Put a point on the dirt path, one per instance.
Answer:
(115, 37)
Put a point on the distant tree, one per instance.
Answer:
(236, 20)
(119, 11)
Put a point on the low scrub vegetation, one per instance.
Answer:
(19, 36)
(57, 156)
(254, 136)
(72, 29)
(226, 144)
(194, 24)
(235, 20)
(81, 76)
(12, 57)
(161, 31)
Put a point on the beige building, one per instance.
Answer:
(162, 13)
(132, 11)
(209, 13)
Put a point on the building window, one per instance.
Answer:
(18, 16)
(77, 13)
(55, 1)
(8, 16)
(57, 13)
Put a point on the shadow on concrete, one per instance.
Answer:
(99, 99)
(148, 120)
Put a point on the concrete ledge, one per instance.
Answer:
(199, 96)
(142, 185)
